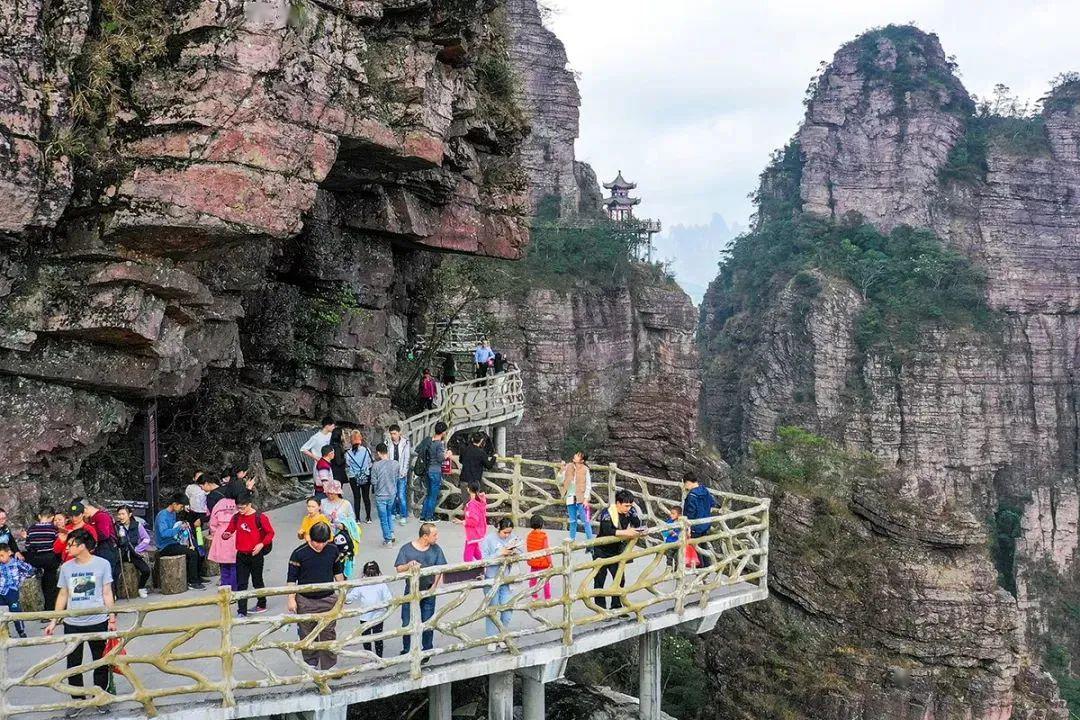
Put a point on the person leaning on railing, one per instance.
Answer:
(423, 552)
(621, 519)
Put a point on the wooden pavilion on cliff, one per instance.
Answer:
(620, 208)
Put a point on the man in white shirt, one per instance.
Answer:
(312, 449)
(399, 450)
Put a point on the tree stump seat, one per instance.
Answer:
(171, 573)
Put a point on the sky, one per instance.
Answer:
(689, 97)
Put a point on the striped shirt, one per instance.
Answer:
(40, 538)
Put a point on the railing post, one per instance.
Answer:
(5, 676)
(763, 581)
(567, 592)
(416, 635)
(680, 565)
(612, 483)
(227, 655)
(515, 492)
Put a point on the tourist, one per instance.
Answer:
(498, 363)
(423, 552)
(133, 541)
(105, 531)
(384, 480)
(449, 369)
(214, 494)
(338, 466)
(358, 463)
(619, 520)
(67, 526)
(315, 444)
(428, 390)
(173, 537)
(535, 541)
(374, 605)
(13, 573)
(196, 495)
(85, 582)
(484, 358)
(697, 505)
(254, 538)
(576, 488)
(222, 549)
(7, 537)
(41, 553)
(474, 460)
(314, 515)
(475, 522)
(672, 533)
(324, 470)
(501, 544)
(315, 562)
(401, 452)
(432, 451)
(335, 507)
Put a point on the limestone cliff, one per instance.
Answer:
(228, 206)
(973, 426)
(612, 368)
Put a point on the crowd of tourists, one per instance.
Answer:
(78, 552)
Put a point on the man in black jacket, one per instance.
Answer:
(474, 460)
(619, 520)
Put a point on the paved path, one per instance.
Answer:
(382, 681)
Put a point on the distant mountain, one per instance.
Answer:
(694, 252)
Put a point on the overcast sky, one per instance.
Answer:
(688, 97)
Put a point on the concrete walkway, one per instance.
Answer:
(266, 665)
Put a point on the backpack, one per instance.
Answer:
(344, 543)
(420, 464)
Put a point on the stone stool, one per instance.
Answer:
(172, 574)
(210, 568)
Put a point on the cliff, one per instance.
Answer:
(950, 365)
(230, 208)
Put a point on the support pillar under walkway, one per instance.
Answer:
(501, 696)
(649, 675)
(533, 683)
(440, 702)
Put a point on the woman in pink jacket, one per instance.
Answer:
(475, 522)
(223, 551)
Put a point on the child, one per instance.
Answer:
(377, 598)
(537, 539)
(672, 535)
(254, 537)
(314, 515)
(40, 540)
(133, 540)
(68, 526)
(13, 572)
(475, 522)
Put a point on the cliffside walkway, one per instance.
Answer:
(191, 655)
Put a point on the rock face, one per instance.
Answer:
(613, 369)
(969, 424)
(550, 93)
(254, 202)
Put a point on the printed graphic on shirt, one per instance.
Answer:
(82, 587)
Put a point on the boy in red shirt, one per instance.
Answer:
(323, 470)
(254, 538)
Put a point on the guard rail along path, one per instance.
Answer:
(175, 658)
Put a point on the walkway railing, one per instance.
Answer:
(484, 401)
(182, 651)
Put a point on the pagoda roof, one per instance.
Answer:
(621, 200)
(620, 183)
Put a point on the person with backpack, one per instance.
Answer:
(697, 505)
(358, 462)
(133, 541)
(430, 455)
(172, 536)
(254, 541)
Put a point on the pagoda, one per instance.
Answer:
(620, 208)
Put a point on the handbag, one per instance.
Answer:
(110, 645)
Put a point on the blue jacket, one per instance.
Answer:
(698, 504)
(165, 529)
